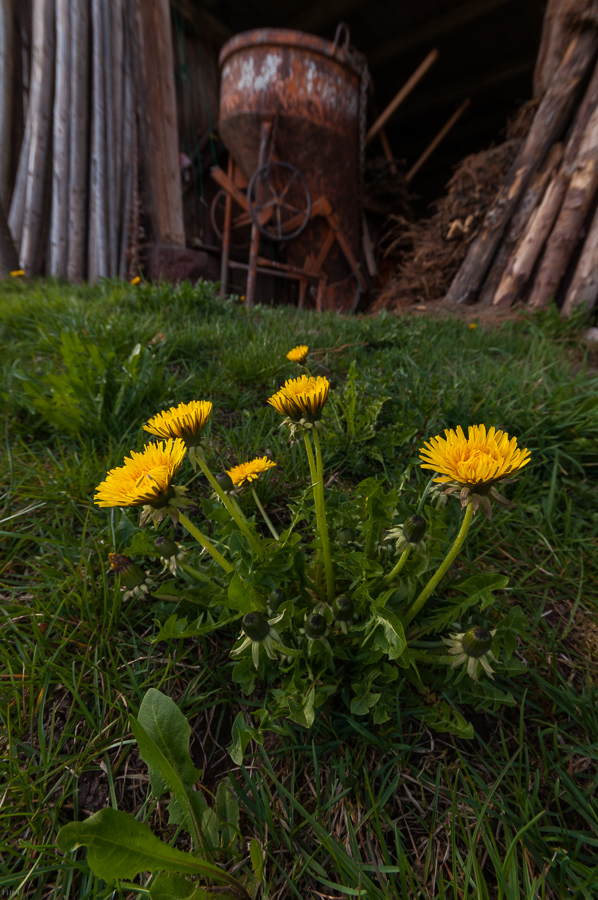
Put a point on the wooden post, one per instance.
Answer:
(584, 285)
(549, 121)
(60, 150)
(9, 261)
(228, 209)
(78, 141)
(439, 137)
(402, 94)
(39, 113)
(98, 230)
(159, 138)
(567, 228)
(6, 87)
(129, 150)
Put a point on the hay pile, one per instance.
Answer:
(428, 253)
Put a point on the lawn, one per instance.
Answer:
(347, 808)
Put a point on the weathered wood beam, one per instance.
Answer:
(547, 126)
(6, 88)
(584, 284)
(78, 141)
(61, 141)
(430, 30)
(9, 260)
(158, 119)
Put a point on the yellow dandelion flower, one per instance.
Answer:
(301, 398)
(136, 280)
(249, 471)
(145, 478)
(473, 325)
(184, 421)
(474, 463)
(18, 273)
(298, 354)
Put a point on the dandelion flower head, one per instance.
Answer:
(301, 398)
(476, 461)
(145, 478)
(249, 471)
(298, 354)
(184, 421)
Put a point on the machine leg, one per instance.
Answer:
(302, 290)
(255, 233)
(228, 208)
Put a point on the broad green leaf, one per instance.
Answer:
(243, 597)
(479, 584)
(227, 812)
(162, 733)
(177, 887)
(444, 718)
(118, 846)
(302, 712)
(257, 859)
(385, 632)
(241, 735)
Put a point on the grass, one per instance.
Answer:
(341, 811)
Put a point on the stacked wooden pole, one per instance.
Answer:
(98, 69)
(538, 241)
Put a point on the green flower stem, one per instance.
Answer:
(236, 515)
(265, 516)
(323, 526)
(199, 576)
(205, 542)
(394, 572)
(443, 568)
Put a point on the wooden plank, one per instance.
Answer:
(401, 95)
(129, 147)
(98, 237)
(159, 119)
(59, 220)
(549, 122)
(78, 140)
(40, 113)
(9, 260)
(6, 89)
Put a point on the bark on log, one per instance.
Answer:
(115, 210)
(60, 150)
(98, 238)
(549, 122)
(584, 284)
(39, 113)
(6, 89)
(567, 229)
(561, 20)
(79, 141)
(527, 252)
(129, 151)
(112, 204)
(528, 203)
(9, 260)
(159, 136)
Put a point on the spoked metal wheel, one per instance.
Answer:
(279, 201)
(240, 232)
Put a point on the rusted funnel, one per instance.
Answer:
(310, 89)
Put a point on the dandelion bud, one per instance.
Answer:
(166, 547)
(476, 642)
(256, 626)
(225, 481)
(414, 529)
(315, 626)
(275, 598)
(343, 608)
(129, 572)
(345, 536)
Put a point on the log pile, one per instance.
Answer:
(99, 132)
(539, 238)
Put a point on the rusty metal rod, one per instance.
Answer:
(402, 94)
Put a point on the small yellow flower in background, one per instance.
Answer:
(249, 471)
(298, 354)
(136, 280)
(242, 298)
(474, 464)
(145, 478)
(473, 325)
(18, 273)
(184, 421)
(301, 398)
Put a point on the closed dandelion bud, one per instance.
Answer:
(476, 642)
(129, 572)
(414, 528)
(343, 608)
(225, 481)
(166, 547)
(275, 598)
(315, 626)
(256, 626)
(345, 536)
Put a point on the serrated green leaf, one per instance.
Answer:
(118, 846)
